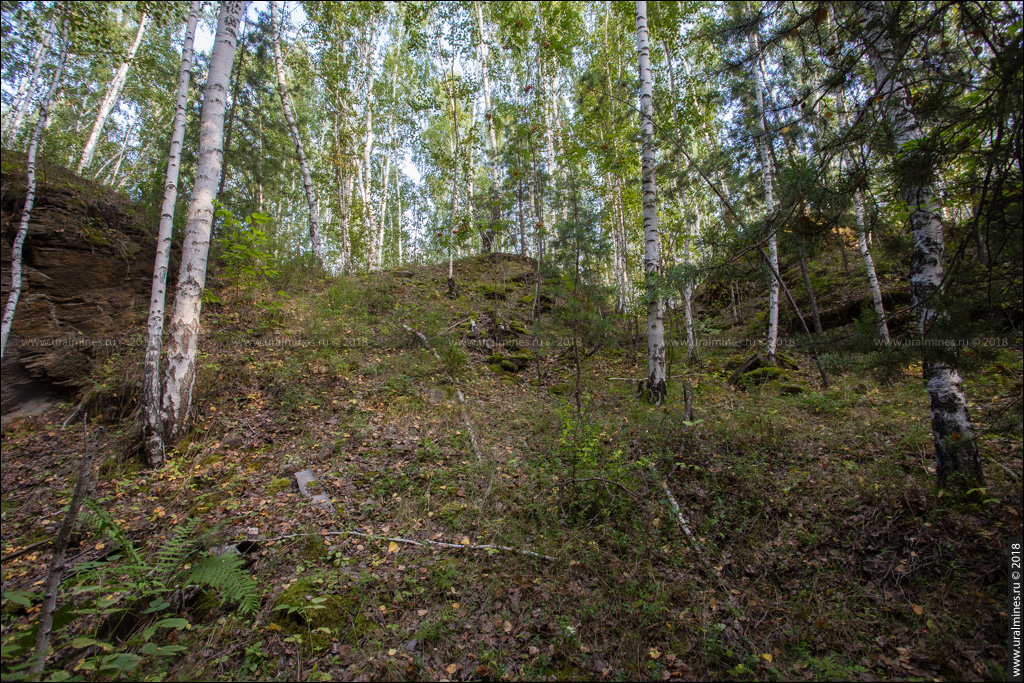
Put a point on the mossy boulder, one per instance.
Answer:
(790, 389)
(786, 361)
(760, 377)
(518, 327)
(494, 360)
(520, 360)
(302, 609)
(508, 366)
(278, 484)
(491, 292)
(495, 368)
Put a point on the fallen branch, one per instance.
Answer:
(60, 546)
(19, 553)
(458, 393)
(682, 520)
(409, 541)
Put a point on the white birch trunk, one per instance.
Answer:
(153, 427)
(862, 240)
(769, 199)
(183, 342)
(656, 371)
(110, 99)
(30, 192)
(289, 117)
(691, 338)
(344, 186)
(492, 139)
(27, 89)
(958, 461)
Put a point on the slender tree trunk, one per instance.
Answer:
(56, 572)
(657, 376)
(289, 116)
(153, 427)
(487, 236)
(816, 319)
(398, 219)
(27, 89)
(769, 198)
(183, 343)
(113, 93)
(862, 239)
(958, 460)
(691, 338)
(30, 192)
(235, 89)
(627, 284)
(365, 174)
(343, 180)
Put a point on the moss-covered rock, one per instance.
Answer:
(302, 609)
(278, 484)
(760, 376)
(790, 389)
(518, 327)
(560, 389)
(509, 366)
(494, 359)
(495, 368)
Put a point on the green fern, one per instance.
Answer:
(172, 555)
(225, 574)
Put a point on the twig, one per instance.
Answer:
(409, 541)
(19, 553)
(60, 546)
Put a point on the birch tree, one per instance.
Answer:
(183, 342)
(958, 461)
(764, 147)
(487, 236)
(289, 116)
(110, 99)
(26, 89)
(862, 231)
(657, 378)
(153, 428)
(30, 191)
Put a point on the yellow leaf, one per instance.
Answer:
(767, 657)
(918, 610)
(653, 653)
(273, 627)
(465, 540)
(392, 652)
(451, 669)
(393, 547)
(455, 605)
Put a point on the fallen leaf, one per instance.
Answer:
(918, 610)
(451, 669)
(767, 657)
(653, 653)
(393, 547)
(392, 652)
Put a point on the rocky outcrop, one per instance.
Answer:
(87, 269)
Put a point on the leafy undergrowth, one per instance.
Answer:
(825, 551)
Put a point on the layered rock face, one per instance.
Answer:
(88, 263)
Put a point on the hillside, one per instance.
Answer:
(821, 548)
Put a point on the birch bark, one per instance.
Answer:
(862, 238)
(657, 379)
(30, 192)
(183, 342)
(27, 89)
(110, 99)
(958, 460)
(289, 116)
(769, 200)
(153, 432)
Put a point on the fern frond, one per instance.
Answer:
(224, 573)
(171, 556)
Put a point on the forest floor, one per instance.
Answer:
(822, 548)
